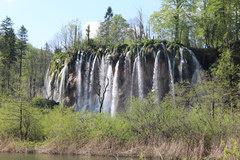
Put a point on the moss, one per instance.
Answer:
(58, 61)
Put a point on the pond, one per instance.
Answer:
(15, 156)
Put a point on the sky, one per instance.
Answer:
(44, 18)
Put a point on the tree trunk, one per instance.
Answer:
(30, 86)
(177, 22)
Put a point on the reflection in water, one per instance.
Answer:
(14, 156)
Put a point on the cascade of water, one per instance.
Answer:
(133, 74)
(86, 83)
(47, 84)
(115, 91)
(92, 82)
(156, 75)
(79, 80)
(127, 74)
(197, 68)
(180, 67)
(108, 93)
(102, 74)
(171, 76)
(62, 75)
(140, 75)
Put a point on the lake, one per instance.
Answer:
(15, 156)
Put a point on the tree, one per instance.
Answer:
(228, 73)
(69, 38)
(103, 32)
(88, 33)
(9, 55)
(118, 29)
(22, 45)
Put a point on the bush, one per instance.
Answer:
(66, 126)
(10, 121)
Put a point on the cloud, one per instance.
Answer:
(93, 29)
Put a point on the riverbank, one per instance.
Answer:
(163, 150)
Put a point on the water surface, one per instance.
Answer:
(15, 156)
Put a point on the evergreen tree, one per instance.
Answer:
(9, 55)
(105, 27)
(22, 45)
(88, 33)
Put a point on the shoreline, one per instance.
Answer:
(173, 150)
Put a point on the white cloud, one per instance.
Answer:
(93, 29)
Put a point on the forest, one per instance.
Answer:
(199, 121)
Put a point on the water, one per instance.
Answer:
(91, 88)
(115, 91)
(127, 75)
(86, 84)
(79, 80)
(133, 78)
(156, 75)
(108, 95)
(62, 75)
(171, 76)
(140, 75)
(15, 156)
(180, 67)
(197, 68)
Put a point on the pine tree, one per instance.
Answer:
(9, 55)
(22, 45)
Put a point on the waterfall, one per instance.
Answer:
(180, 67)
(197, 68)
(132, 81)
(156, 75)
(127, 75)
(62, 75)
(95, 79)
(47, 84)
(79, 79)
(115, 91)
(86, 84)
(108, 93)
(140, 76)
(91, 92)
(102, 74)
(171, 76)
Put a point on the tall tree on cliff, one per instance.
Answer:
(103, 32)
(88, 33)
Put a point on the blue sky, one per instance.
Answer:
(44, 18)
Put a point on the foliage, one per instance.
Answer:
(66, 126)
(10, 118)
(58, 61)
(232, 152)
(113, 30)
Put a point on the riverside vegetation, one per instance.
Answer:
(201, 121)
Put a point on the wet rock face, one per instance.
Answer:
(70, 94)
(92, 77)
